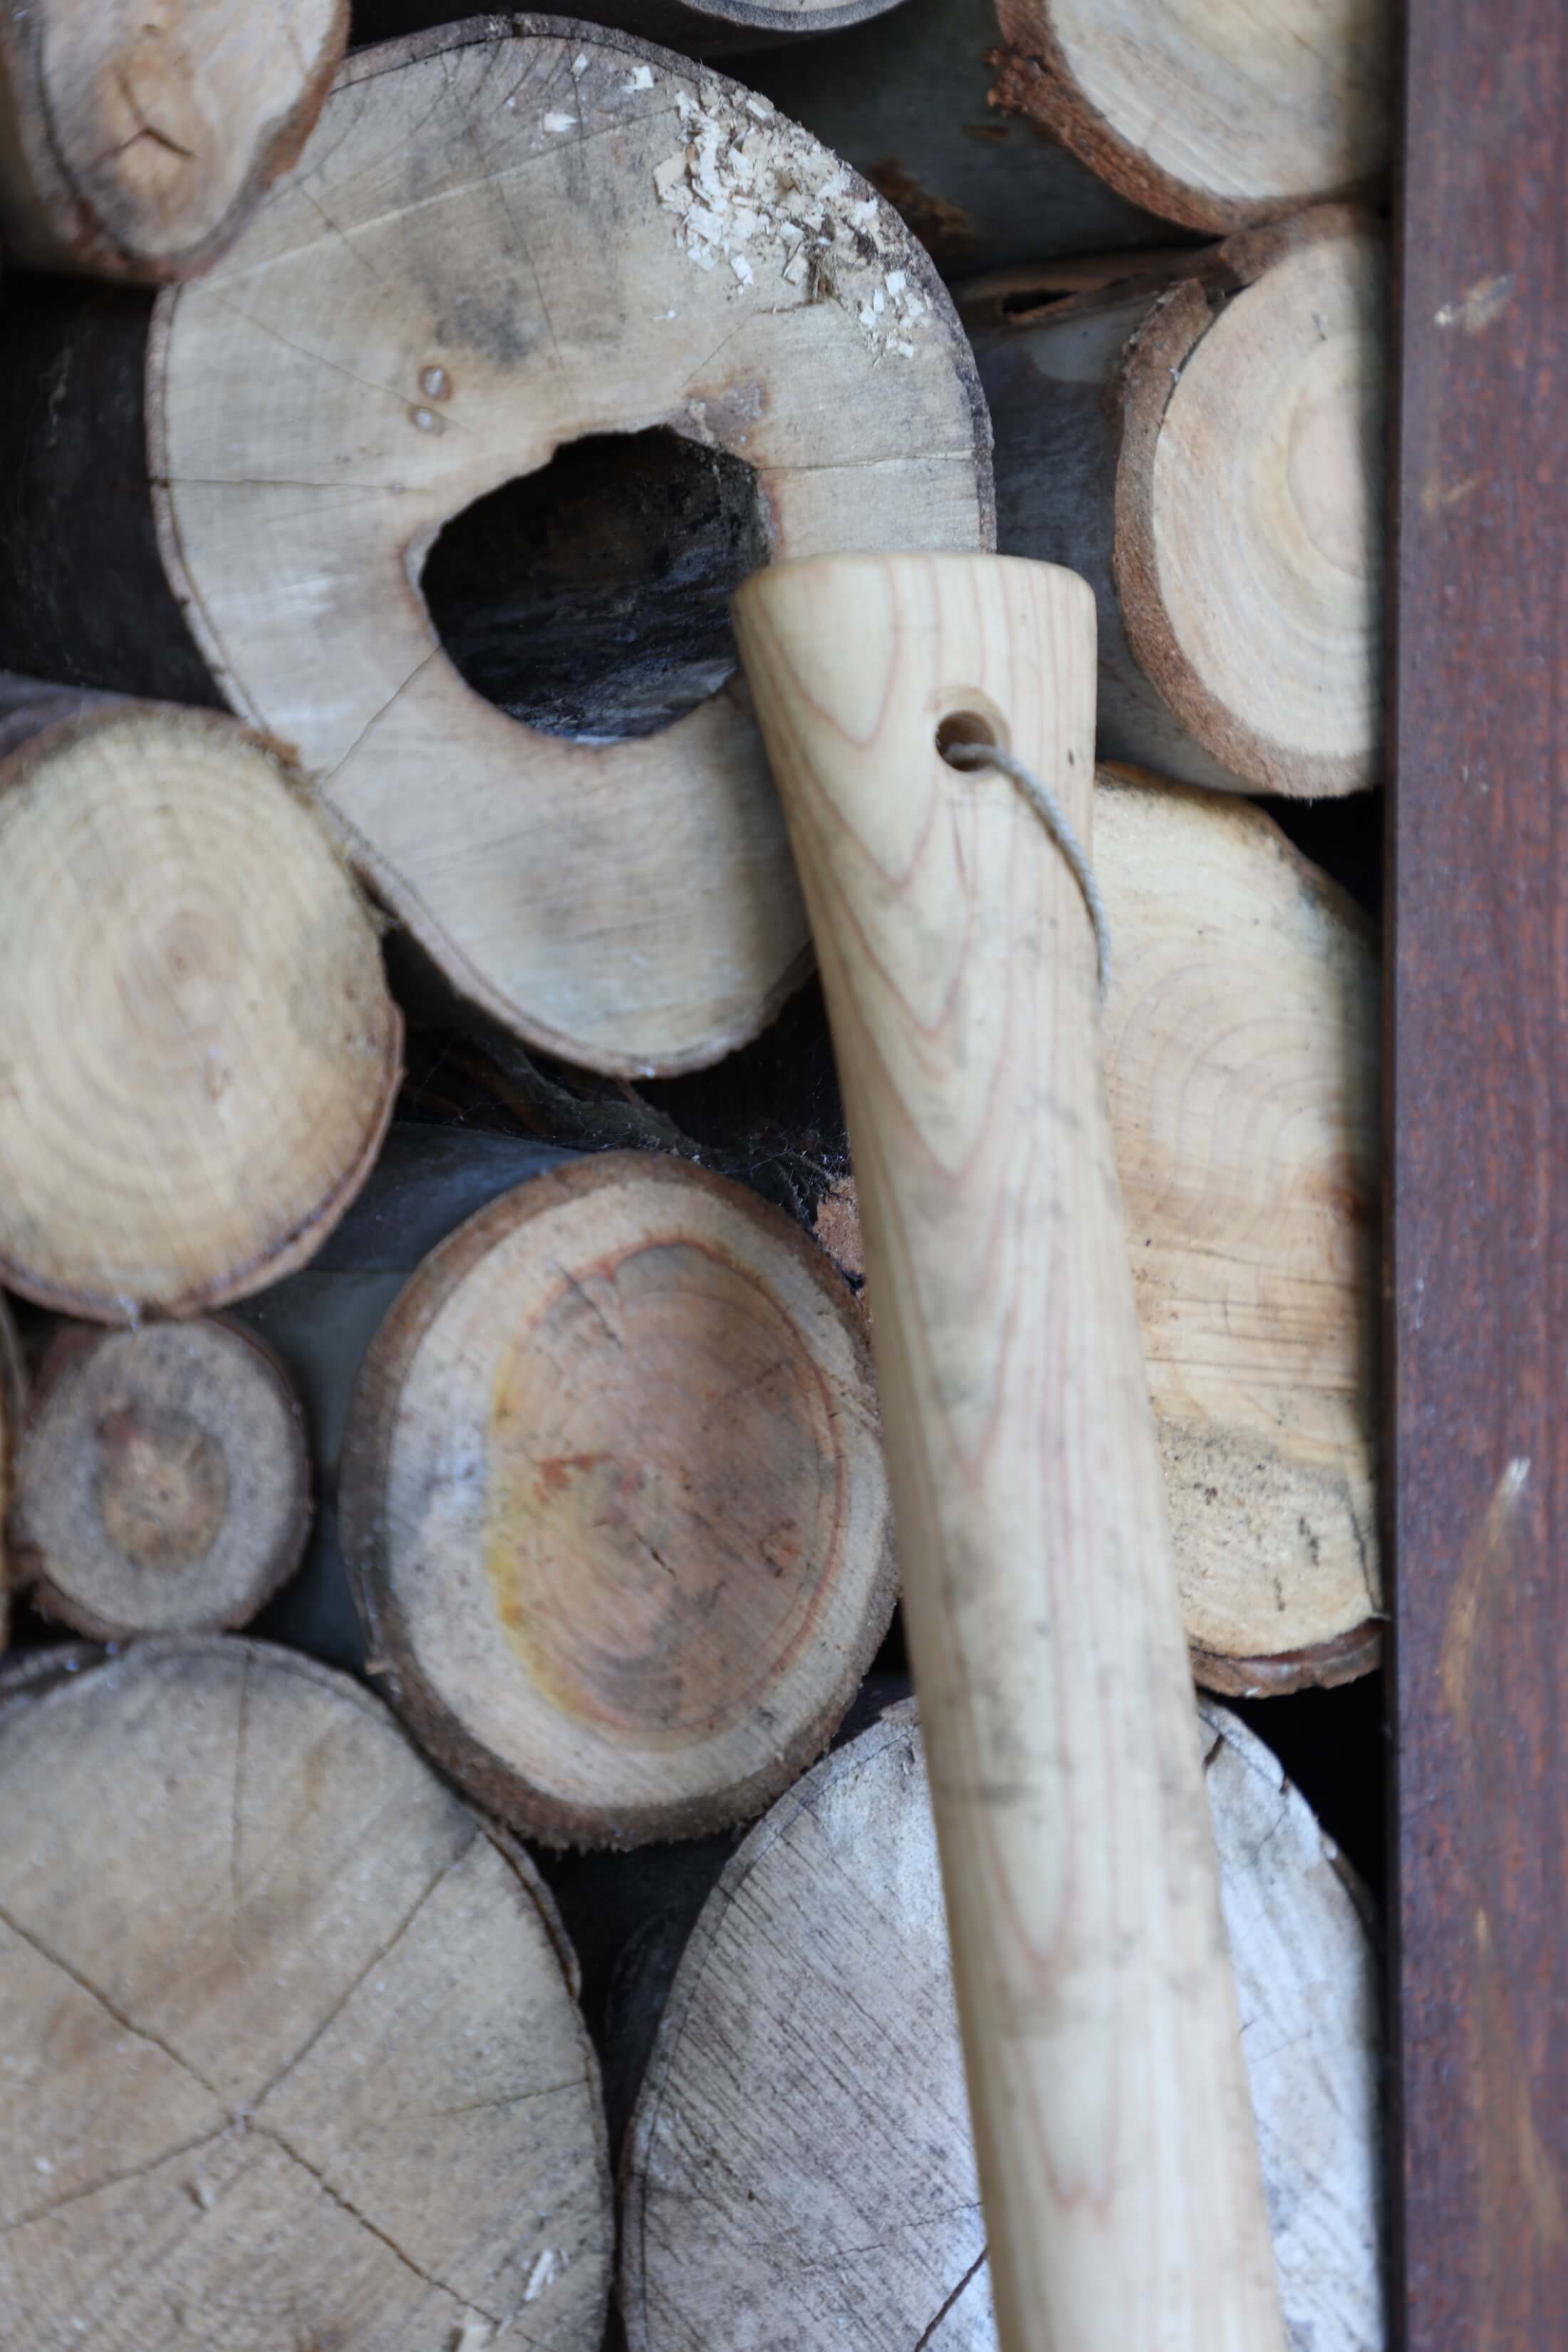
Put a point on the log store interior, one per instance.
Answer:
(713, 1403)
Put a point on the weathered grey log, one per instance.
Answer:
(697, 28)
(1201, 439)
(798, 2168)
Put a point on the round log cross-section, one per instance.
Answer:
(613, 1497)
(164, 1484)
(136, 135)
(505, 238)
(200, 1052)
(294, 2062)
(799, 2171)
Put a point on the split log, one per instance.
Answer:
(13, 1406)
(798, 2168)
(912, 105)
(502, 242)
(1012, 130)
(697, 28)
(1203, 442)
(135, 139)
(163, 1485)
(1240, 1038)
(200, 1052)
(294, 2060)
(614, 1504)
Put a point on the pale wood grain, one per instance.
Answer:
(799, 2174)
(1200, 436)
(1216, 113)
(1115, 2151)
(200, 1054)
(293, 2058)
(504, 213)
(13, 1405)
(136, 136)
(613, 1503)
(163, 1485)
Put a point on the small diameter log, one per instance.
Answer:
(297, 2064)
(135, 139)
(697, 28)
(1240, 1039)
(200, 1054)
(914, 106)
(13, 1406)
(1203, 442)
(164, 1482)
(543, 323)
(613, 1504)
(799, 2168)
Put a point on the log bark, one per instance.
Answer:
(201, 1052)
(300, 2063)
(1202, 441)
(799, 2169)
(614, 1506)
(13, 1407)
(163, 1485)
(135, 141)
(697, 28)
(504, 240)
(914, 105)
(1240, 1038)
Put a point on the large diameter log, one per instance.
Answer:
(698, 28)
(800, 2169)
(163, 1485)
(1039, 1598)
(912, 104)
(1240, 1035)
(502, 239)
(135, 139)
(1203, 442)
(200, 1051)
(613, 1504)
(293, 2059)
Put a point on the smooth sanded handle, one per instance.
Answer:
(1117, 2159)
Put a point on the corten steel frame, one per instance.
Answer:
(1478, 1183)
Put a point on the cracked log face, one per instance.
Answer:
(613, 1503)
(135, 135)
(292, 2058)
(164, 1482)
(497, 243)
(1216, 113)
(200, 1052)
(798, 2168)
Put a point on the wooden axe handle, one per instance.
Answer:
(1112, 2120)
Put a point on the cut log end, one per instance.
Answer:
(1248, 507)
(790, 2169)
(137, 148)
(164, 1484)
(1215, 115)
(12, 1399)
(612, 1494)
(730, 349)
(201, 1051)
(311, 2055)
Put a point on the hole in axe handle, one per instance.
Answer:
(963, 727)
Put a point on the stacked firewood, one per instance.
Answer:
(392, 408)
